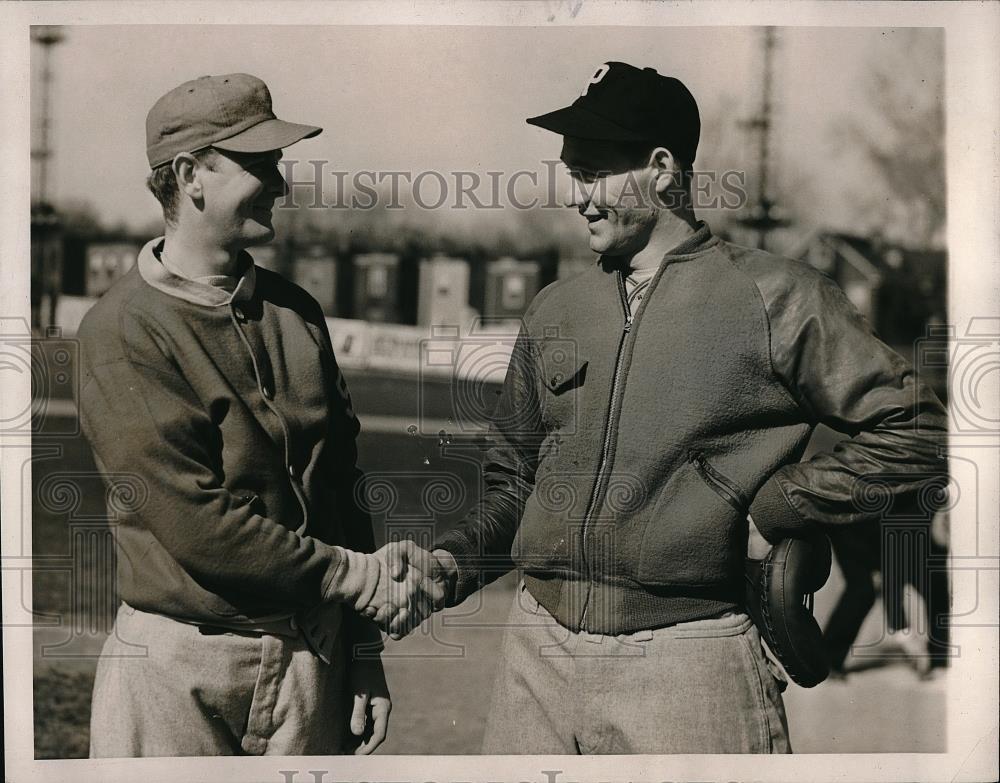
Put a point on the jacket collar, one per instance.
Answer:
(700, 240)
(161, 275)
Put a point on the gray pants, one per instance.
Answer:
(698, 687)
(163, 688)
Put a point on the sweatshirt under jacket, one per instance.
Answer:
(627, 450)
(228, 416)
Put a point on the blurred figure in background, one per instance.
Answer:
(915, 556)
(858, 552)
(912, 554)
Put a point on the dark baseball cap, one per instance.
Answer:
(231, 112)
(625, 103)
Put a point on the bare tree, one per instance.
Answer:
(902, 138)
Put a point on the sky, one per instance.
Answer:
(455, 98)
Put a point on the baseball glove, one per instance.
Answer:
(779, 599)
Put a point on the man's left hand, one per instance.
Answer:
(758, 547)
(371, 704)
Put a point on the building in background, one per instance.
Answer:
(376, 287)
(315, 269)
(443, 296)
(106, 263)
(510, 287)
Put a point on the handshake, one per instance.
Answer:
(400, 585)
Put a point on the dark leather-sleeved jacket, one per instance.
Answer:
(627, 452)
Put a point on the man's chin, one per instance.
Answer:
(598, 245)
(261, 237)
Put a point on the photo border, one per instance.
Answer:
(973, 212)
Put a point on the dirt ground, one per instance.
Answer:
(442, 675)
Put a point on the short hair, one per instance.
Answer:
(163, 184)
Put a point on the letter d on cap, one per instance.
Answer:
(601, 73)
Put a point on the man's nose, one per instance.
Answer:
(577, 194)
(277, 185)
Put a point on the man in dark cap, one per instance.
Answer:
(654, 408)
(211, 386)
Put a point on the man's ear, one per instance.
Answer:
(186, 170)
(667, 169)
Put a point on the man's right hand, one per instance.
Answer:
(433, 573)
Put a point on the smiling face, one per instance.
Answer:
(239, 191)
(613, 188)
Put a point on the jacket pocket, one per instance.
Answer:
(696, 532)
(562, 374)
(725, 488)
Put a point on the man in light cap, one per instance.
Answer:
(210, 385)
(655, 408)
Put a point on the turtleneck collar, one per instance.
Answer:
(212, 290)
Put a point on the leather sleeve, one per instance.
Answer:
(842, 375)
(481, 544)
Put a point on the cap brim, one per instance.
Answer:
(583, 124)
(267, 135)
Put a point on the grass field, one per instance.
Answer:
(440, 676)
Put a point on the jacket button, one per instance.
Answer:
(557, 379)
(238, 312)
(291, 471)
(267, 392)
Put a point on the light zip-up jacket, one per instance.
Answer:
(226, 417)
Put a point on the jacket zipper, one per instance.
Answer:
(723, 487)
(606, 447)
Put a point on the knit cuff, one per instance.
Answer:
(469, 578)
(353, 578)
(774, 515)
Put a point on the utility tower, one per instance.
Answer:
(46, 235)
(47, 36)
(761, 215)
